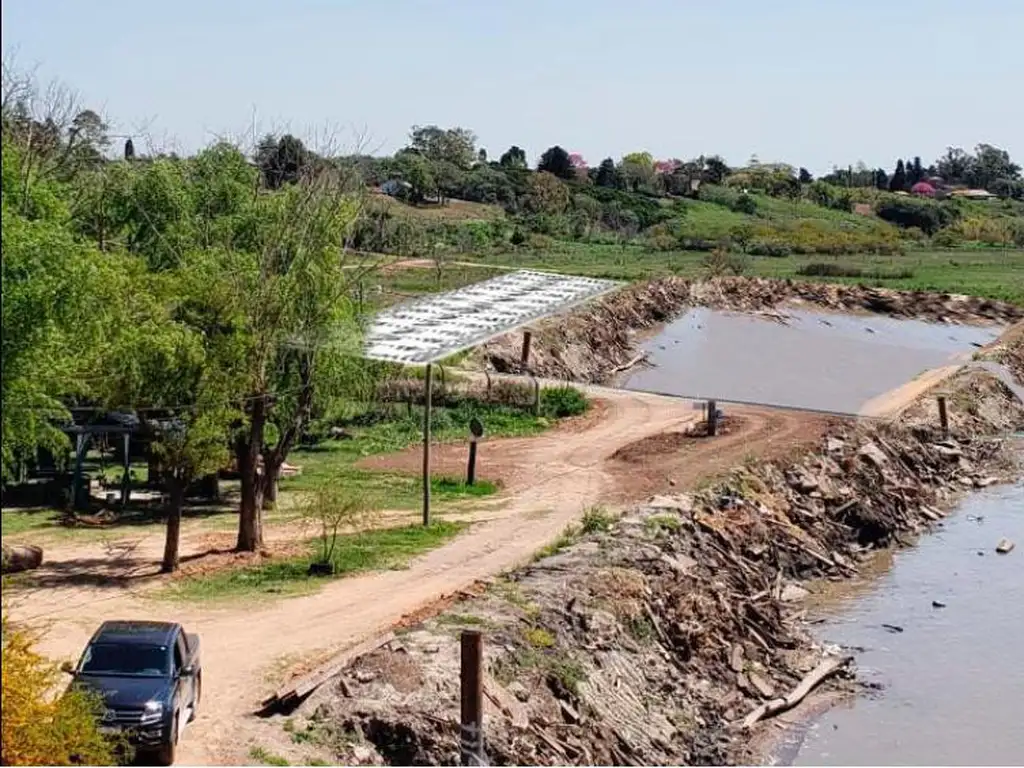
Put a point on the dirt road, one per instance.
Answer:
(549, 481)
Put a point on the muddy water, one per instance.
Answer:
(953, 680)
(827, 361)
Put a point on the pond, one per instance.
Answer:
(816, 360)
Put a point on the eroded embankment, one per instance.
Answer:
(647, 640)
(594, 343)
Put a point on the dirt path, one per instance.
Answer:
(549, 481)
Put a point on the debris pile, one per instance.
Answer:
(594, 343)
(662, 636)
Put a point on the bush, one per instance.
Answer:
(762, 246)
(721, 262)
(559, 402)
(39, 729)
(819, 269)
(745, 204)
(927, 216)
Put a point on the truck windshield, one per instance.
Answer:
(128, 659)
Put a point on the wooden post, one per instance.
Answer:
(76, 485)
(427, 392)
(712, 418)
(471, 740)
(524, 358)
(536, 397)
(471, 469)
(126, 483)
(943, 416)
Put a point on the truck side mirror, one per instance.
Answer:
(187, 671)
(67, 668)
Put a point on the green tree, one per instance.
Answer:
(989, 166)
(46, 284)
(548, 195)
(282, 160)
(898, 181)
(805, 176)
(452, 145)
(607, 174)
(556, 161)
(514, 157)
(418, 171)
(715, 170)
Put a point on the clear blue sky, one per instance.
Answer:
(811, 82)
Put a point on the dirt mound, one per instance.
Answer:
(1010, 352)
(752, 293)
(597, 341)
(649, 639)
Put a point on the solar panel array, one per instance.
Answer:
(433, 327)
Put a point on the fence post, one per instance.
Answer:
(943, 416)
(524, 358)
(471, 740)
(536, 396)
(428, 386)
(712, 418)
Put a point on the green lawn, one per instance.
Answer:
(373, 550)
(993, 273)
(331, 461)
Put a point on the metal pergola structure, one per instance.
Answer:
(429, 329)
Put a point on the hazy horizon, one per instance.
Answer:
(810, 84)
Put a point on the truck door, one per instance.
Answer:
(183, 693)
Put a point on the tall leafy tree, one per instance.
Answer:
(898, 182)
(452, 145)
(557, 162)
(513, 157)
(607, 174)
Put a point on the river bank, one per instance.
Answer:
(651, 638)
(946, 689)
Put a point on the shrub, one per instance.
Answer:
(763, 246)
(721, 262)
(38, 728)
(927, 216)
(560, 402)
(745, 204)
(819, 269)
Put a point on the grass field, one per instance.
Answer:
(331, 461)
(993, 273)
(374, 550)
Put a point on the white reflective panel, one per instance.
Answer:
(433, 327)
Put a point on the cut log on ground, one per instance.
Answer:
(822, 672)
(21, 558)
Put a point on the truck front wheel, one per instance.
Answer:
(165, 756)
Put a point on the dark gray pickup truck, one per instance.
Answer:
(150, 676)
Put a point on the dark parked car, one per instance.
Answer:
(150, 676)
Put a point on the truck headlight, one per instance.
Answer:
(153, 711)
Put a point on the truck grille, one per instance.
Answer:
(122, 717)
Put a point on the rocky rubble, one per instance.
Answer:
(595, 342)
(650, 638)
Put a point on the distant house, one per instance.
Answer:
(395, 187)
(973, 194)
(923, 189)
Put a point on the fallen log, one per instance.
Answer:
(819, 674)
(296, 690)
(21, 557)
(630, 363)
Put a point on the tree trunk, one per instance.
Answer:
(250, 521)
(176, 488)
(271, 478)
